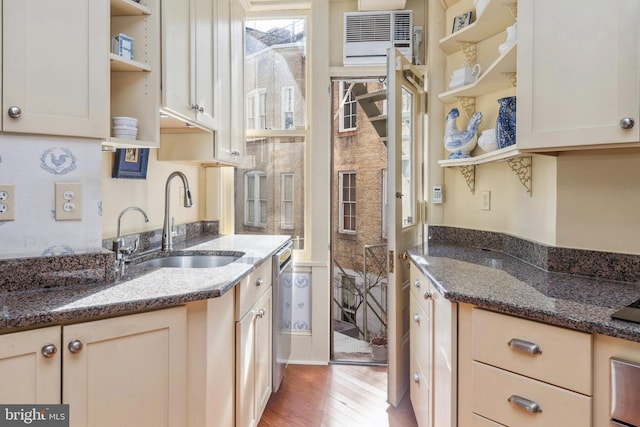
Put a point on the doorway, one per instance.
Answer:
(358, 223)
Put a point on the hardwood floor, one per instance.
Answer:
(333, 396)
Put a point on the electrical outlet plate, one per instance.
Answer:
(485, 201)
(7, 202)
(68, 201)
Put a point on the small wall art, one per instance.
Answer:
(130, 163)
(461, 21)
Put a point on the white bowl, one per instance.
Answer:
(487, 141)
(128, 121)
(125, 127)
(125, 133)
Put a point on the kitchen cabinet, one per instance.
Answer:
(579, 82)
(254, 344)
(189, 60)
(55, 78)
(433, 354)
(520, 372)
(30, 361)
(135, 83)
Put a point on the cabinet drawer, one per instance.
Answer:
(565, 358)
(420, 288)
(252, 288)
(478, 421)
(420, 331)
(419, 392)
(493, 387)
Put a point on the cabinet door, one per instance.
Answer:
(205, 71)
(578, 73)
(263, 347)
(56, 68)
(29, 371)
(130, 371)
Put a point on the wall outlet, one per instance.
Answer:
(485, 201)
(7, 202)
(68, 201)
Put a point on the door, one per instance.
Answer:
(404, 147)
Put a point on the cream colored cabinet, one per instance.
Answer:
(254, 344)
(525, 373)
(433, 355)
(188, 60)
(135, 82)
(128, 370)
(579, 83)
(211, 367)
(30, 363)
(55, 74)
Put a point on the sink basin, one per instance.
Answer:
(190, 261)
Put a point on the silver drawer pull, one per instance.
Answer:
(524, 346)
(523, 403)
(416, 378)
(260, 313)
(260, 282)
(428, 295)
(416, 318)
(416, 283)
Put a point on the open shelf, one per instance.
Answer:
(118, 63)
(128, 8)
(493, 156)
(492, 79)
(494, 19)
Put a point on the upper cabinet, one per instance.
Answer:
(55, 77)
(578, 73)
(188, 64)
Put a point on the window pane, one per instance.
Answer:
(275, 60)
(408, 200)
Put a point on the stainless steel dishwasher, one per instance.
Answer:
(625, 395)
(282, 311)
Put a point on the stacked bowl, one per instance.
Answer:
(125, 127)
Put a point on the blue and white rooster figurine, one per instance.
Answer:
(461, 142)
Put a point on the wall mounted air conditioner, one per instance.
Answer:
(368, 35)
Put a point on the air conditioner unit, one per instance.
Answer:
(368, 36)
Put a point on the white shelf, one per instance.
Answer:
(493, 156)
(128, 8)
(491, 80)
(118, 63)
(494, 19)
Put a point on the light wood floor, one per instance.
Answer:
(335, 395)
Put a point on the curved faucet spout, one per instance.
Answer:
(167, 237)
(117, 244)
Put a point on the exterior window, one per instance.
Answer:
(349, 298)
(347, 202)
(255, 184)
(385, 204)
(287, 107)
(348, 111)
(286, 200)
(257, 109)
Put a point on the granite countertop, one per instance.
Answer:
(500, 282)
(138, 289)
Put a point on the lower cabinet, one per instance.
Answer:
(128, 370)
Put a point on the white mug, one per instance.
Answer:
(465, 75)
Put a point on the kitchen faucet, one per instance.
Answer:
(167, 232)
(118, 244)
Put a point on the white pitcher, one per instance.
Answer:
(465, 75)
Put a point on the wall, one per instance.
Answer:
(34, 165)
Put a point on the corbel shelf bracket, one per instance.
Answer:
(513, 77)
(469, 174)
(470, 51)
(467, 104)
(521, 166)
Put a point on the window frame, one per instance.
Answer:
(342, 203)
(257, 200)
(284, 223)
(287, 106)
(353, 103)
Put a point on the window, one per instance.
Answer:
(348, 111)
(257, 109)
(287, 107)
(349, 298)
(286, 200)
(347, 202)
(255, 193)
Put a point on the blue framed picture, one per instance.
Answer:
(130, 163)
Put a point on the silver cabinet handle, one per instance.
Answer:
(235, 153)
(49, 351)
(260, 282)
(416, 378)
(260, 313)
(524, 346)
(75, 346)
(427, 295)
(14, 112)
(416, 317)
(523, 403)
(626, 123)
(417, 283)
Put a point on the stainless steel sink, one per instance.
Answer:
(190, 261)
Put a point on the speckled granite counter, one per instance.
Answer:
(138, 289)
(497, 281)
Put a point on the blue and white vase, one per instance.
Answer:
(506, 122)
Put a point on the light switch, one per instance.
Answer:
(68, 201)
(485, 201)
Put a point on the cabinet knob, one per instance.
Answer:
(14, 112)
(416, 318)
(260, 313)
(260, 282)
(416, 378)
(75, 346)
(49, 351)
(427, 295)
(200, 109)
(235, 153)
(626, 123)
(416, 283)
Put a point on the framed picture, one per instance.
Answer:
(130, 163)
(461, 21)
